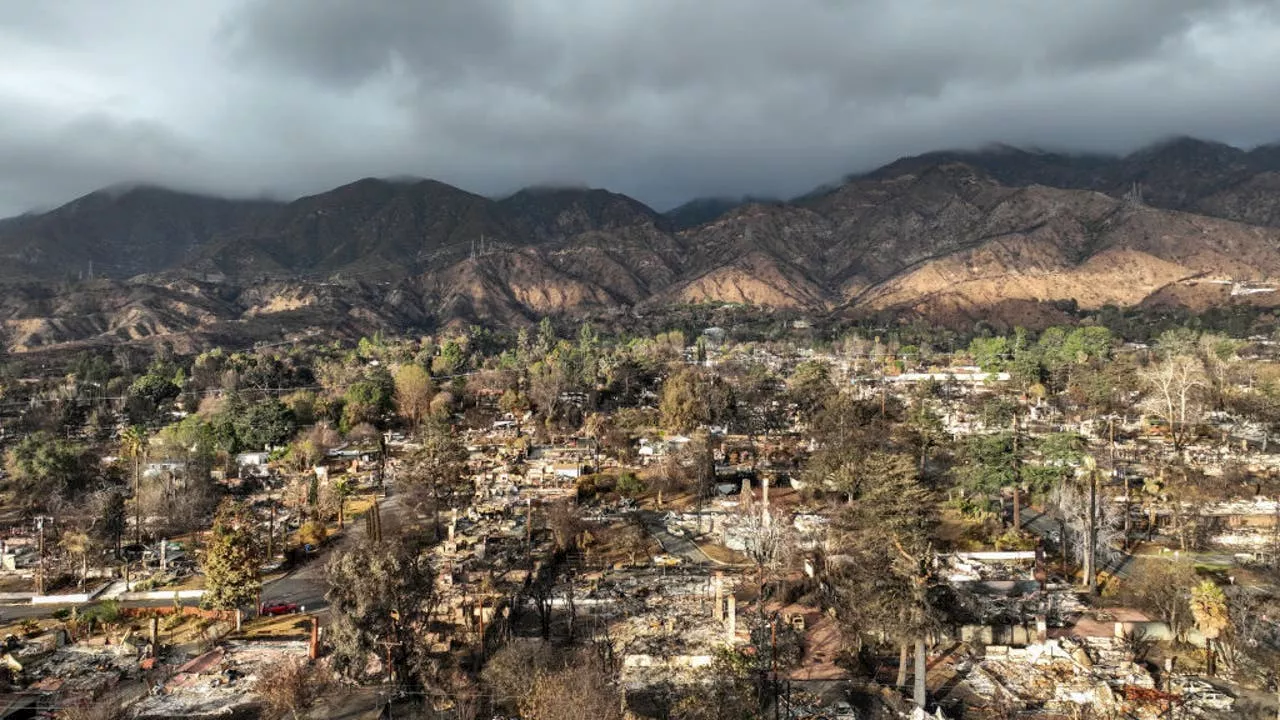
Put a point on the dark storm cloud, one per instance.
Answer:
(663, 99)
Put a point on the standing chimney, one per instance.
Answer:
(717, 610)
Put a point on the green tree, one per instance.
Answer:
(990, 465)
(546, 339)
(342, 489)
(997, 412)
(451, 360)
(1086, 343)
(41, 467)
(550, 378)
(264, 424)
(413, 393)
(367, 400)
(133, 445)
(809, 387)
(437, 467)
(991, 354)
(381, 596)
(191, 441)
(148, 393)
(926, 432)
(880, 579)
(692, 398)
(231, 560)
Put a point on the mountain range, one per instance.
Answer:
(1001, 234)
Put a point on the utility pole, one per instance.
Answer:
(773, 651)
(271, 530)
(40, 572)
(391, 675)
(1017, 476)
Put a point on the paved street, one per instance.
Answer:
(304, 585)
(681, 547)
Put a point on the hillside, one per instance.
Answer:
(1180, 173)
(1002, 235)
(120, 232)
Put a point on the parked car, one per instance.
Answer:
(274, 609)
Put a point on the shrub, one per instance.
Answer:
(629, 485)
(587, 486)
(312, 533)
(1015, 540)
(106, 612)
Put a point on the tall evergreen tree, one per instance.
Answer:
(231, 561)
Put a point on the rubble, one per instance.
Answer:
(215, 683)
(1064, 676)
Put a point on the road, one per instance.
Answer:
(304, 585)
(1046, 527)
(682, 547)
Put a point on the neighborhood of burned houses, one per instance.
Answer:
(1061, 528)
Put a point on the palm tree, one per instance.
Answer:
(133, 444)
(1209, 608)
(342, 490)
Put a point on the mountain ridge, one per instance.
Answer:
(954, 236)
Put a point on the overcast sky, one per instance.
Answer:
(660, 99)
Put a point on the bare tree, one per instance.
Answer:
(584, 690)
(1175, 388)
(511, 671)
(542, 592)
(1084, 543)
(290, 688)
(766, 539)
(1163, 588)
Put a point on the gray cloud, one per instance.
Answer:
(662, 99)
